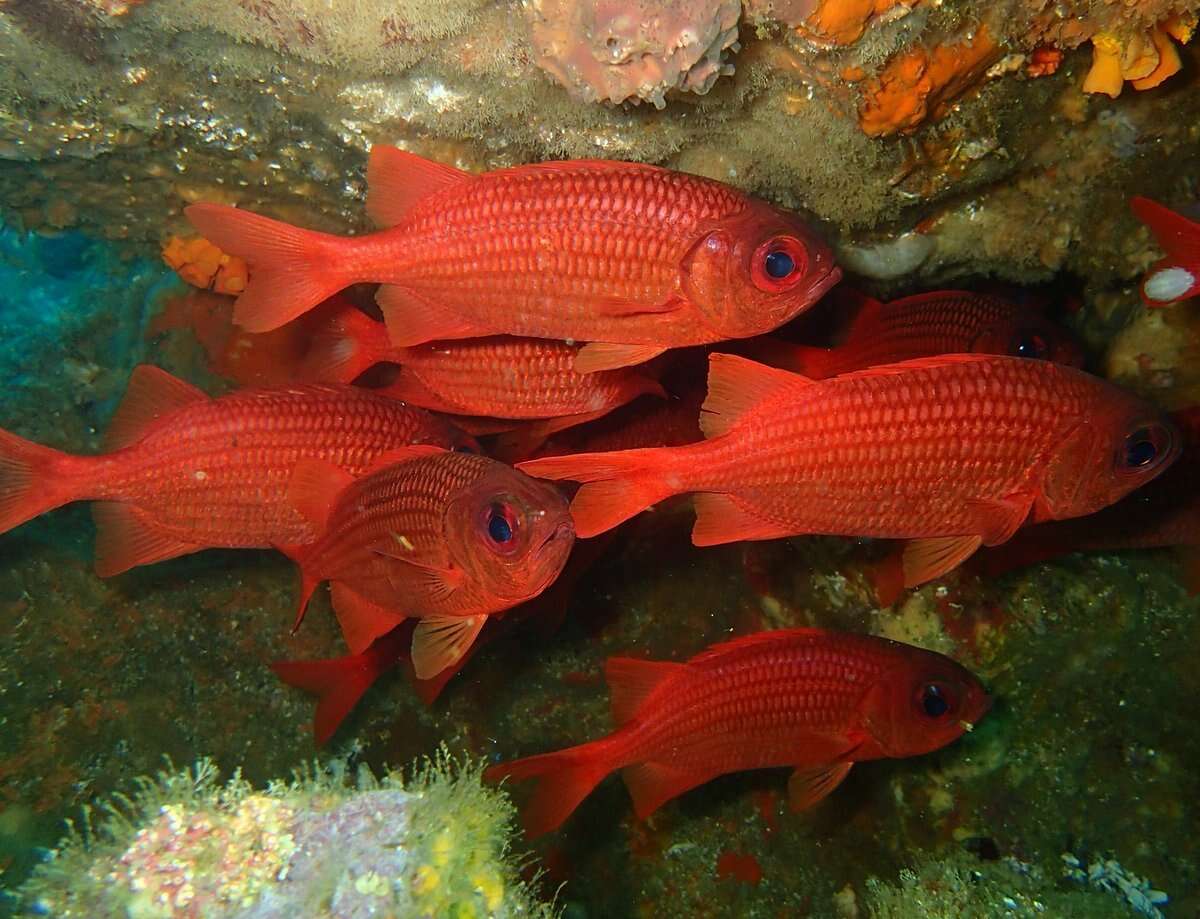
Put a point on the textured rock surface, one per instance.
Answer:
(984, 140)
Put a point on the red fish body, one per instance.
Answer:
(924, 325)
(1177, 275)
(814, 700)
(632, 258)
(496, 377)
(952, 452)
(189, 472)
(450, 538)
(1164, 513)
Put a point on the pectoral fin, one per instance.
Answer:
(439, 641)
(999, 519)
(807, 786)
(926, 559)
(603, 355)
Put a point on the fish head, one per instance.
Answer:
(753, 271)
(1120, 444)
(922, 704)
(509, 533)
(1028, 335)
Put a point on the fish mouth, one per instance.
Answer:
(823, 286)
(561, 530)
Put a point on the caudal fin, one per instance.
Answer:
(617, 485)
(30, 480)
(344, 347)
(1176, 277)
(564, 779)
(338, 683)
(291, 269)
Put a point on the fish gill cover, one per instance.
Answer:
(935, 148)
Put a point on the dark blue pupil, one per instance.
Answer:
(934, 702)
(779, 264)
(499, 528)
(1140, 449)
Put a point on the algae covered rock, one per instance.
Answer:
(324, 844)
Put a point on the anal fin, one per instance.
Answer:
(720, 519)
(653, 784)
(440, 641)
(807, 786)
(926, 559)
(127, 536)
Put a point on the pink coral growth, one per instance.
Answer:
(614, 50)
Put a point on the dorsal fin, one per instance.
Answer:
(403, 455)
(927, 363)
(735, 385)
(397, 180)
(314, 489)
(152, 393)
(754, 639)
(630, 682)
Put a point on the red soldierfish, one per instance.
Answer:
(924, 325)
(187, 472)
(632, 258)
(1177, 276)
(496, 377)
(1164, 513)
(815, 700)
(952, 452)
(450, 538)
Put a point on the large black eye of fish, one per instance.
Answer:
(1029, 344)
(934, 700)
(1140, 449)
(778, 264)
(501, 525)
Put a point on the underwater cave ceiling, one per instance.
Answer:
(934, 140)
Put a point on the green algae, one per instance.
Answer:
(187, 844)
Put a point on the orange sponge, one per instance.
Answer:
(203, 265)
(922, 83)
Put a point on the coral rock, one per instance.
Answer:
(612, 51)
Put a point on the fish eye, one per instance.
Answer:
(778, 264)
(934, 700)
(501, 525)
(499, 529)
(1144, 447)
(1029, 344)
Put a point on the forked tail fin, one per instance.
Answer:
(565, 778)
(30, 481)
(344, 347)
(616, 485)
(291, 269)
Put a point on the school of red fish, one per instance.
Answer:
(621, 327)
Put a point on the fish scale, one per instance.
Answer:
(402, 505)
(815, 700)
(188, 472)
(596, 251)
(513, 378)
(809, 450)
(217, 473)
(418, 538)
